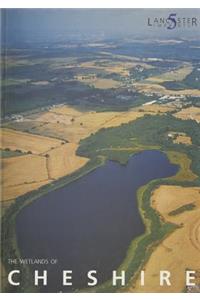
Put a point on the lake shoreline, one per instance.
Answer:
(28, 199)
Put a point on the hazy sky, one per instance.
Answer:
(27, 24)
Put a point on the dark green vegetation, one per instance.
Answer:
(192, 81)
(139, 73)
(185, 50)
(194, 101)
(37, 78)
(181, 209)
(22, 97)
(147, 131)
(8, 153)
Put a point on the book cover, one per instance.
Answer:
(100, 150)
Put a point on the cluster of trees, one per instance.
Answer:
(191, 81)
(147, 131)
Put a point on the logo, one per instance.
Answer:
(173, 21)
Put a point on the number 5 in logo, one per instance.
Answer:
(171, 21)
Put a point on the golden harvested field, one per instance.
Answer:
(100, 83)
(75, 125)
(181, 249)
(176, 75)
(79, 127)
(66, 110)
(22, 174)
(123, 118)
(131, 115)
(104, 83)
(23, 169)
(95, 120)
(18, 190)
(183, 139)
(156, 108)
(109, 66)
(159, 89)
(192, 113)
(53, 117)
(28, 172)
(70, 133)
(63, 161)
(25, 142)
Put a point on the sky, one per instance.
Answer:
(52, 24)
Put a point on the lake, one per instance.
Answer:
(89, 223)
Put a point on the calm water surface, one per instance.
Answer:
(89, 224)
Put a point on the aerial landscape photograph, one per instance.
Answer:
(100, 150)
